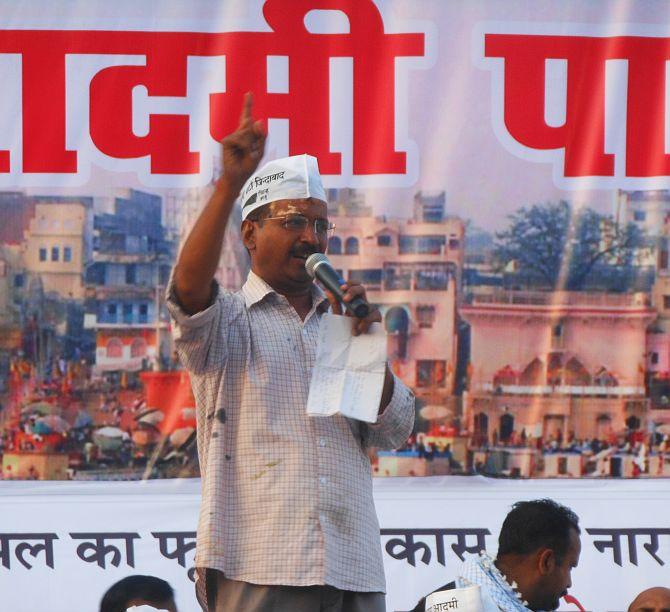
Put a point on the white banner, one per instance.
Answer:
(64, 543)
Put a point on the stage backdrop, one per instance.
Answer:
(499, 178)
(62, 544)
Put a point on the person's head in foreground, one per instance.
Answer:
(538, 547)
(656, 599)
(138, 591)
(284, 220)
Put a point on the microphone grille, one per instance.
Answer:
(313, 261)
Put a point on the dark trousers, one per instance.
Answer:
(225, 595)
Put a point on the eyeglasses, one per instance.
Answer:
(299, 223)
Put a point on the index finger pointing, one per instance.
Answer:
(247, 106)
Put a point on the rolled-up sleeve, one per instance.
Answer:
(395, 424)
(193, 334)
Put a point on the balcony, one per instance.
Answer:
(562, 298)
(584, 391)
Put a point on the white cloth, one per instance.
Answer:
(497, 594)
(288, 178)
(348, 376)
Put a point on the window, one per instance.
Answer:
(43, 254)
(666, 301)
(370, 278)
(425, 316)
(138, 348)
(640, 215)
(418, 276)
(454, 243)
(114, 348)
(654, 358)
(55, 253)
(131, 274)
(351, 246)
(663, 260)
(334, 246)
(431, 278)
(111, 313)
(384, 240)
(427, 245)
(397, 278)
(67, 253)
(144, 313)
(127, 313)
(430, 373)
(19, 280)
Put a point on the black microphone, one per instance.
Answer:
(318, 266)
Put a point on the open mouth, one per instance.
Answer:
(301, 256)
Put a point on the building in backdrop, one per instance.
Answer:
(556, 365)
(658, 339)
(181, 208)
(55, 247)
(648, 210)
(411, 268)
(126, 280)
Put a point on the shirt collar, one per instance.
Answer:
(255, 289)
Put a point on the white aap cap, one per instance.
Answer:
(288, 178)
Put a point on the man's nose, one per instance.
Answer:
(309, 234)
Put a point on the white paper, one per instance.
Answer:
(467, 599)
(348, 375)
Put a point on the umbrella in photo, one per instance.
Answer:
(150, 417)
(432, 412)
(54, 422)
(109, 438)
(42, 408)
(181, 436)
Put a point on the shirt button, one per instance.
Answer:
(323, 480)
(322, 441)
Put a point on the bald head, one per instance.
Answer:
(656, 599)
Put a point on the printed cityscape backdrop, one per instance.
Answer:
(538, 350)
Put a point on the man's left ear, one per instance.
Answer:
(546, 561)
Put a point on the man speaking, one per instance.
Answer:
(287, 520)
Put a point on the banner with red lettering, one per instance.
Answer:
(499, 179)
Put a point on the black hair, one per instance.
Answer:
(148, 588)
(260, 213)
(542, 523)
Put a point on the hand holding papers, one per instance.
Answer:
(349, 371)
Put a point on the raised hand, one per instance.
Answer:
(243, 149)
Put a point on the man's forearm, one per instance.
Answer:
(200, 254)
